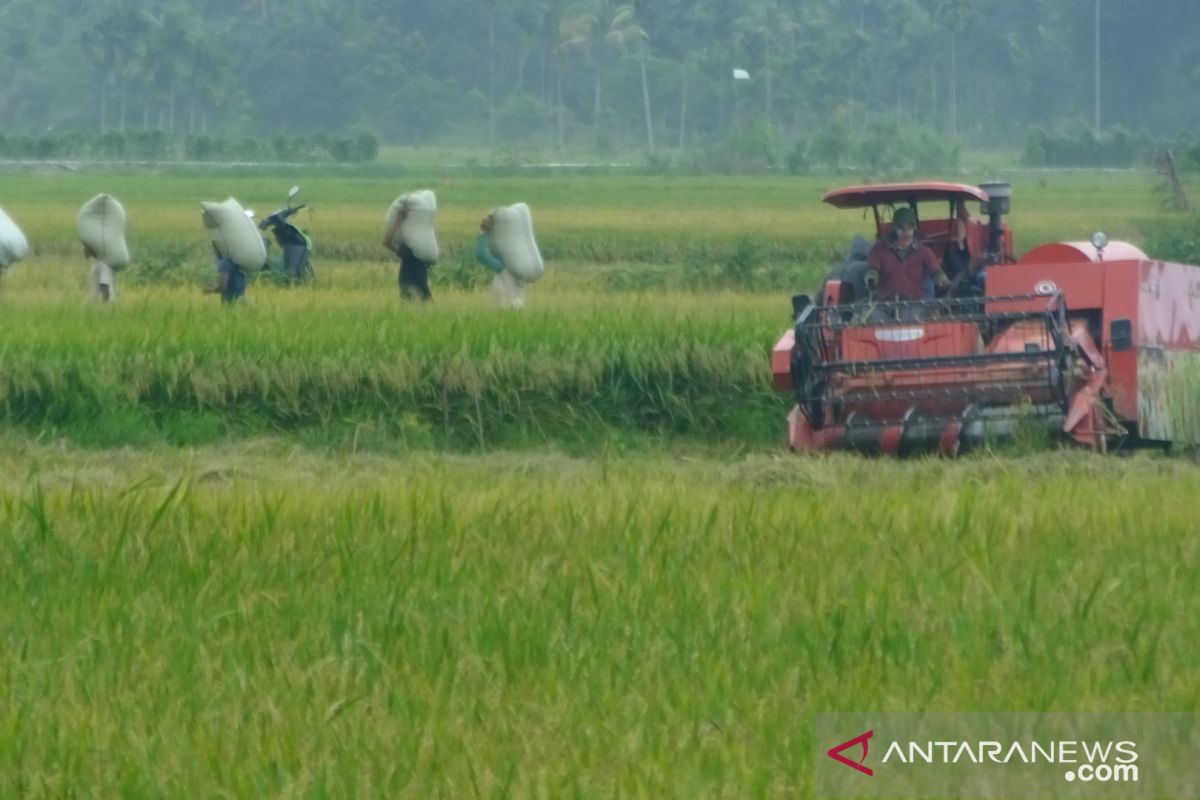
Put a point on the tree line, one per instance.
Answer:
(598, 75)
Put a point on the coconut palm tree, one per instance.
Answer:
(954, 15)
(169, 49)
(117, 42)
(596, 28)
(626, 34)
(771, 25)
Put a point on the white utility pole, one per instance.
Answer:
(1097, 64)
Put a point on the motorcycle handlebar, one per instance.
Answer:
(280, 216)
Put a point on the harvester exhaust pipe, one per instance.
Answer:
(998, 204)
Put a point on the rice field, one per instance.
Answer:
(324, 544)
(462, 374)
(262, 621)
(663, 296)
(589, 219)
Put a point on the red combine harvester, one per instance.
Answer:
(1092, 339)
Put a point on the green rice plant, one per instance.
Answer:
(259, 620)
(632, 331)
(596, 219)
(473, 374)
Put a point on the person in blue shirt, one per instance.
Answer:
(231, 280)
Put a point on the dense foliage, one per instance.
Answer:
(1081, 147)
(596, 74)
(155, 145)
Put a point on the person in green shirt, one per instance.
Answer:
(483, 249)
(509, 290)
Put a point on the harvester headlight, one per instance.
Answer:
(1099, 241)
(899, 334)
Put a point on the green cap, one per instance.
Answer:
(903, 216)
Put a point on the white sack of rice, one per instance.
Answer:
(235, 235)
(13, 244)
(101, 227)
(417, 229)
(511, 239)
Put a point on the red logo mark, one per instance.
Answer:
(836, 753)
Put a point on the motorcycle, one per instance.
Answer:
(296, 246)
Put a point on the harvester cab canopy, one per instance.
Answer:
(936, 206)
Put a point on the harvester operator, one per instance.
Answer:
(899, 265)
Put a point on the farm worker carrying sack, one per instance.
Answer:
(412, 216)
(507, 247)
(101, 229)
(13, 245)
(409, 233)
(237, 247)
(234, 234)
(231, 280)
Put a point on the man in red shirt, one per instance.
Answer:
(899, 266)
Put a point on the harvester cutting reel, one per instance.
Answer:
(941, 375)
